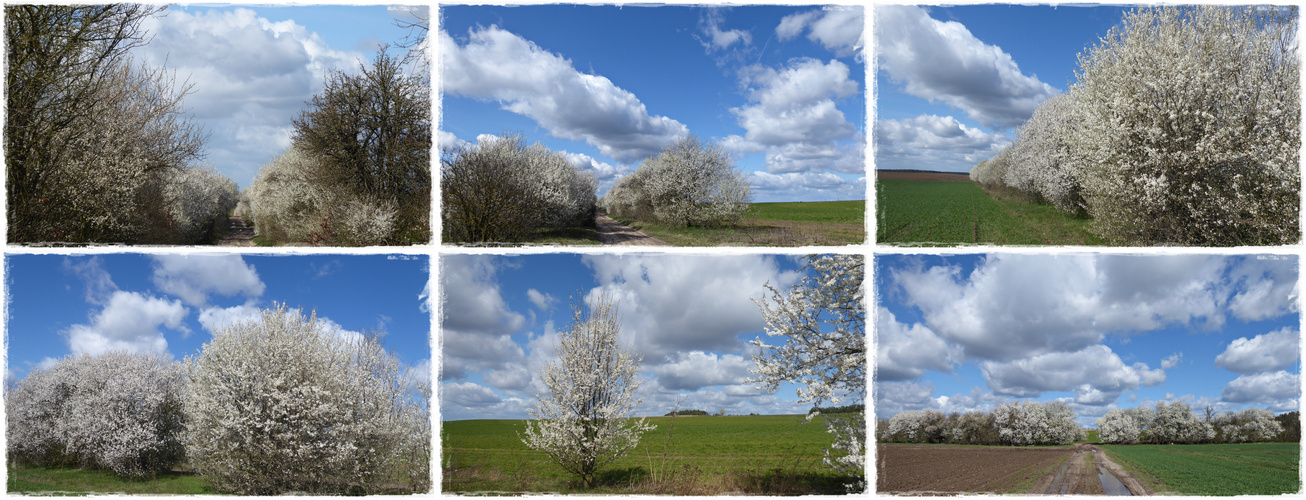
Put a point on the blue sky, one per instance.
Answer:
(62, 304)
(254, 67)
(966, 332)
(954, 83)
(689, 316)
(781, 87)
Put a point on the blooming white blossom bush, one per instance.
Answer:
(823, 322)
(583, 423)
(1040, 162)
(1248, 426)
(1032, 423)
(200, 199)
(1118, 427)
(502, 190)
(117, 411)
(690, 183)
(287, 404)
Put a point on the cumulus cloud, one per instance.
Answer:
(796, 103)
(697, 369)
(838, 28)
(214, 319)
(940, 141)
(251, 77)
(944, 63)
(1004, 308)
(714, 37)
(99, 285)
(807, 185)
(466, 394)
(905, 352)
(193, 277)
(892, 398)
(1095, 373)
(1171, 361)
(543, 301)
(1263, 388)
(496, 65)
(674, 303)
(1265, 287)
(1262, 353)
(511, 377)
(129, 322)
(471, 300)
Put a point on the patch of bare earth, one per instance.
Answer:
(612, 232)
(951, 470)
(915, 175)
(239, 234)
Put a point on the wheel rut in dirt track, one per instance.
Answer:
(239, 234)
(612, 232)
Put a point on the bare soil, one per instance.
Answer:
(952, 470)
(239, 234)
(919, 175)
(612, 232)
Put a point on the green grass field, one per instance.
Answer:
(78, 481)
(1214, 469)
(784, 224)
(1091, 437)
(915, 212)
(705, 455)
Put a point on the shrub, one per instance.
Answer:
(1191, 130)
(1031, 423)
(690, 183)
(116, 411)
(286, 403)
(500, 190)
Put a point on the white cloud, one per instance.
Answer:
(1171, 361)
(543, 301)
(718, 38)
(1263, 388)
(838, 29)
(941, 142)
(674, 303)
(512, 377)
(892, 398)
(193, 277)
(1262, 353)
(796, 104)
(466, 394)
(943, 62)
(904, 352)
(1005, 307)
(251, 78)
(99, 285)
(806, 185)
(129, 322)
(471, 300)
(694, 370)
(1095, 373)
(1266, 287)
(497, 65)
(214, 319)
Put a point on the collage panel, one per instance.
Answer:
(1088, 125)
(201, 374)
(1087, 373)
(654, 125)
(226, 125)
(635, 373)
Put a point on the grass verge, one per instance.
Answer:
(928, 213)
(1213, 469)
(78, 482)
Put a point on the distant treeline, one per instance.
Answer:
(842, 409)
(682, 413)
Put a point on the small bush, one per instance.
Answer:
(690, 183)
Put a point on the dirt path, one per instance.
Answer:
(1079, 475)
(1136, 487)
(612, 232)
(239, 234)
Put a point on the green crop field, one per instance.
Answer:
(785, 224)
(705, 455)
(950, 213)
(1214, 469)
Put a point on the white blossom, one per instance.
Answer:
(583, 422)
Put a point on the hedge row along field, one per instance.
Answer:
(1183, 128)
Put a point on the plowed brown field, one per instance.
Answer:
(939, 469)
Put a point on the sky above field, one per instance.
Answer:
(689, 316)
(61, 305)
(781, 88)
(254, 68)
(1100, 332)
(954, 83)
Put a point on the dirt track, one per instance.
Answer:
(238, 235)
(612, 232)
(950, 470)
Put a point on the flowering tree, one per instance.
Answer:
(823, 322)
(1040, 162)
(285, 403)
(583, 422)
(502, 190)
(1118, 427)
(118, 411)
(1250, 425)
(1191, 126)
(690, 183)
